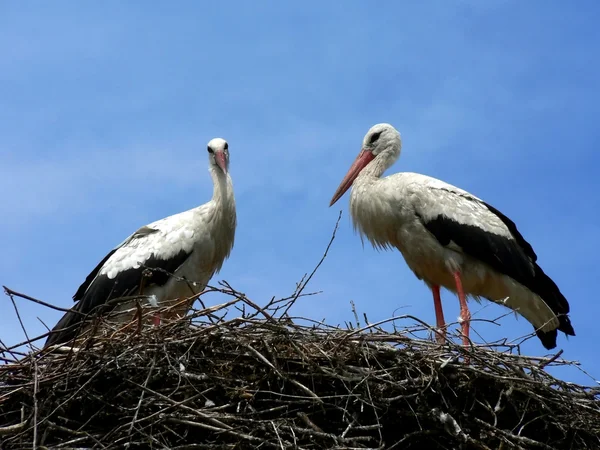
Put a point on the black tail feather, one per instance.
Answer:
(547, 289)
(548, 338)
(543, 286)
(537, 282)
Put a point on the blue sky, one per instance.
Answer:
(107, 108)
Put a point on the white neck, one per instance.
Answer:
(368, 216)
(380, 164)
(222, 189)
(220, 217)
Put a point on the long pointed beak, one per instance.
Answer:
(220, 159)
(363, 158)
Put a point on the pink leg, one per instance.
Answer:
(465, 314)
(439, 315)
(156, 319)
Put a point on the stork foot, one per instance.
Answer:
(156, 319)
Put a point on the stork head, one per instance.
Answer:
(218, 154)
(381, 145)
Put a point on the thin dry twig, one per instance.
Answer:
(306, 280)
(13, 293)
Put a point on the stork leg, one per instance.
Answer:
(465, 314)
(439, 315)
(156, 319)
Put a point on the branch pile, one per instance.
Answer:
(267, 380)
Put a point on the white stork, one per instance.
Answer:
(169, 259)
(450, 238)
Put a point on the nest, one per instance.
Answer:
(259, 380)
(267, 380)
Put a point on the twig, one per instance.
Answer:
(35, 402)
(551, 360)
(306, 281)
(12, 429)
(28, 341)
(11, 293)
(139, 405)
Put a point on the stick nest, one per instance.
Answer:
(267, 380)
(260, 381)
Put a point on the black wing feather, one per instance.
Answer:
(512, 227)
(512, 257)
(144, 231)
(128, 282)
(95, 294)
(88, 280)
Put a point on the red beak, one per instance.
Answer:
(363, 158)
(220, 159)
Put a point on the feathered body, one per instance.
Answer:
(443, 231)
(166, 261)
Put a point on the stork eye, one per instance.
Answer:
(374, 137)
(226, 146)
(210, 150)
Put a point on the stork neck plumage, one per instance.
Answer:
(222, 189)
(380, 164)
(368, 203)
(220, 216)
